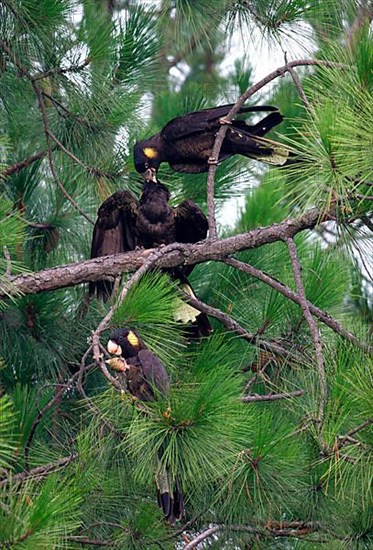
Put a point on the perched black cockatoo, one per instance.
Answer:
(125, 223)
(145, 377)
(145, 374)
(186, 142)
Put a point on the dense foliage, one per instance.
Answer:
(272, 445)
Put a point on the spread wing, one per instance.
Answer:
(154, 371)
(114, 232)
(190, 223)
(206, 119)
(191, 226)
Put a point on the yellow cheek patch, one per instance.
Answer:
(132, 339)
(150, 153)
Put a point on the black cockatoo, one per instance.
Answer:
(146, 378)
(125, 223)
(186, 142)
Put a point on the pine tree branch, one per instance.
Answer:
(39, 95)
(63, 388)
(298, 86)
(39, 472)
(185, 254)
(313, 328)
(18, 166)
(202, 536)
(295, 529)
(343, 439)
(213, 160)
(271, 396)
(84, 541)
(190, 47)
(47, 132)
(8, 260)
(62, 70)
(231, 324)
(323, 316)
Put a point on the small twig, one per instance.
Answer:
(39, 96)
(343, 439)
(62, 389)
(259, 373)
(44, 114)
(97, 412)
(90, 170)
(298, 85)
(38, 225)
(202, 536)
(355, 195)
(84, 541)
(61, 70)
(271, 396)
(313, 328)
(192, 43)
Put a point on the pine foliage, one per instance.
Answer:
(80, 83)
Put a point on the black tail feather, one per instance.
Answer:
(172, 505)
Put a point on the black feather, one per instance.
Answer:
(186, 142)
(146, 378)
(125, 223)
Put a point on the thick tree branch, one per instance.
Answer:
(188, 254)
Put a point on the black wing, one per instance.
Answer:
(199, 121)
(191, 226)
(190, 223)
(154, 371)
(114, 232)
